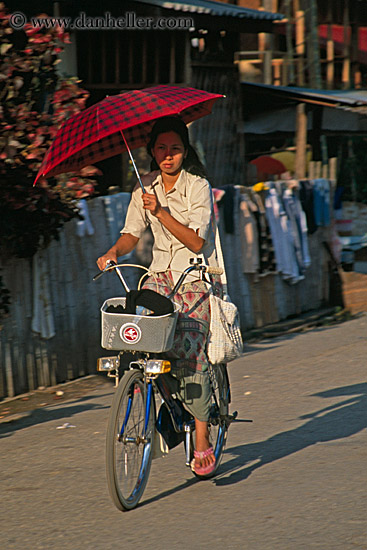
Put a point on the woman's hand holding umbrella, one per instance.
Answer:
(151, 203)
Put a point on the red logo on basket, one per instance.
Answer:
(130, 333)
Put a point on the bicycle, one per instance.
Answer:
(134, 427)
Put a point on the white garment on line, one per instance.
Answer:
(249, 237)
(84, 227)
(42, 319)
(280, 232)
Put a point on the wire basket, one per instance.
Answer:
(129, 332)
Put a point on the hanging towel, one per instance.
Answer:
(321, 195)
(278, 223)
(84, 227)
(248, 236)
(116, 208)
(42, 319)
(218, 195)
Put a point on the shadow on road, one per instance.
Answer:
(47, 414)
(337, 421)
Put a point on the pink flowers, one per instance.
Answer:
(34, 105)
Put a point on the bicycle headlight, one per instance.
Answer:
(157, 366)
(105, 364)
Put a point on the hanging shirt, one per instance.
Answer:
(190, 202)
(248, 236)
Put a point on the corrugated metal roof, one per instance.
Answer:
(211, 7)
(349, 99)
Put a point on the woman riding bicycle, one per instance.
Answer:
(178, 206)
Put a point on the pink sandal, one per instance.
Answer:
(203, 470)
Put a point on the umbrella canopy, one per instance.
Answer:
(288, 158)
(104, 129)
(268, 165)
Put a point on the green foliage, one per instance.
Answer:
(34, 104)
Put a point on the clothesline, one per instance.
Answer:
(274, 221)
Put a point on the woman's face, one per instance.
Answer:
(169, 153)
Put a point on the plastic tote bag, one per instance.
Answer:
(224, 340)
(224, 343)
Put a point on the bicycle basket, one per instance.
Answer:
(132, 332)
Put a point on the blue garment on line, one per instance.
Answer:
(321, 196)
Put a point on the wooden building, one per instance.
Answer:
(318, 44)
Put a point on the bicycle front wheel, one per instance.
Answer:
(130, 439)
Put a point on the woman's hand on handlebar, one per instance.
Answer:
(125, 244)
(109, 256)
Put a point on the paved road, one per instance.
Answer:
(294, 479)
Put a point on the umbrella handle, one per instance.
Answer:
(133, 161)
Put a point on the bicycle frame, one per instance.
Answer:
(133, 419)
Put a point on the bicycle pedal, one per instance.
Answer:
(231, 417)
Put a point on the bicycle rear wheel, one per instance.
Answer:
(129, 447)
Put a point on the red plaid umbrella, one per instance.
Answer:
(99, 131)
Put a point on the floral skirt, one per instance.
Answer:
(190, 363)
(189, 347)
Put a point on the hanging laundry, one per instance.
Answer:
(84, 226)
(307, 202)
(266, 248)
(279, 227)
(227, 202)
(297, 231)
(218, 195)
(116, 209)
(248, 236)
(321, 195)
(42, 317)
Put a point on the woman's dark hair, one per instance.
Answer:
(175, 124)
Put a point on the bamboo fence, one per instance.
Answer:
(29, 359)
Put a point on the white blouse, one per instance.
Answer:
(190, 201)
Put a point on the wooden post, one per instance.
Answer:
(333, 168)
(301, 141)
(265, 43)
(354, 29)
(288, 67)
(346, 52)
(313, 48)
(330, 69)
(311, 170)
(318, 169)
(300, 46)
(277, 73)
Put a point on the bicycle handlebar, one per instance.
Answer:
(194, 267)
(109, 266)
(213, 270)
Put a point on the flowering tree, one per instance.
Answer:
(34, 104)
